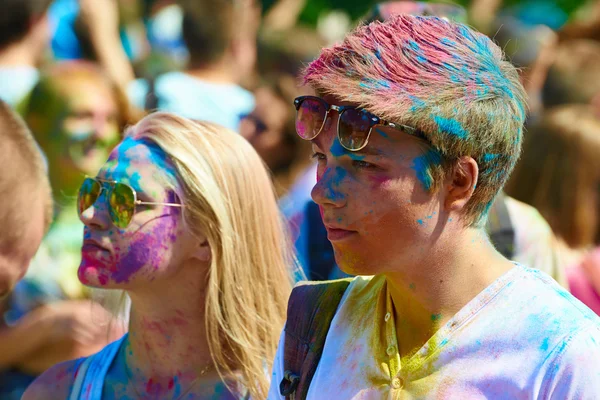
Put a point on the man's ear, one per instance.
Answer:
(202, 251)
(462, 183)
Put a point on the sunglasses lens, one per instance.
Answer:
(122, 205)
(88, 194)
(353, 129)
(310, 118)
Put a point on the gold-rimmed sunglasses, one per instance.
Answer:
(121, 198)
(354, 124)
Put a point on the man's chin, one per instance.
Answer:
(353, 264)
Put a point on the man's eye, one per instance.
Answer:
(362, 164)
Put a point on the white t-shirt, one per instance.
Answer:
(16, 83)
(523, 337)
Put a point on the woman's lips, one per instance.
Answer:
(89, 246)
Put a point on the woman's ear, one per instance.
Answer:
(202, 251)
(463, 182)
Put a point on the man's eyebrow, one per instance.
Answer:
(369, 151)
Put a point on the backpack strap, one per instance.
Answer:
(311, 309)
(500, 228)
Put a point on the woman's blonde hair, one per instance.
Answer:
(229, 199)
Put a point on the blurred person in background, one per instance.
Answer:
(76, 114)
(559, 174)
(220, 36)
(182, 217)
(574, 75)
(96, 30)
(24, 37)
(270, 126)
(26, 209)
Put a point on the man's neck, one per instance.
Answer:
(427, 296)
(167, 339)
(219, 72)
(18, 55)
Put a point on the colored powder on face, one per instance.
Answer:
(412, 286)
(421, 222)
(450, 126)
(333, 179)
(421, 166)
(340, 174)
(147, 249)
(134, 180)
(381, 132)
(436, 317)
(337, 150)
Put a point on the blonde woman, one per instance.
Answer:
(183, 218)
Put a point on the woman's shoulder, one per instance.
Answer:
(55, 383)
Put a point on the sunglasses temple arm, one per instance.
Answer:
(158, 204)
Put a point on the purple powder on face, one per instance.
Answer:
(146, 249)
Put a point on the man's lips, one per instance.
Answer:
(335, 233)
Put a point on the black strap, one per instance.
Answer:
(500, 228)
(151, 100)
(311, 309)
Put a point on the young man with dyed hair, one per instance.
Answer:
(417, 129)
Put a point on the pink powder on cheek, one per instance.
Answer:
(378, 180)
(92, 270)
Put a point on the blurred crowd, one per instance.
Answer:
(80, 71)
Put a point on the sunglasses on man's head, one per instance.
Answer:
(121, 198)
(354, 124)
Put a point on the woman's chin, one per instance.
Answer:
(90, 275)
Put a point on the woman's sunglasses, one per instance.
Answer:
(122, 199)
(354, 125)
